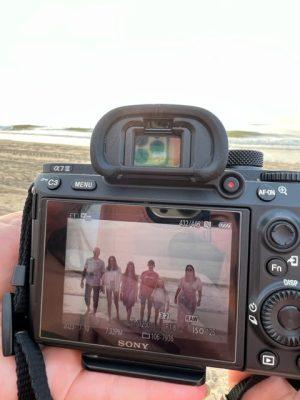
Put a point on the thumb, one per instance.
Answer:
(273, 388)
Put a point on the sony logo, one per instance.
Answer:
(133, 345)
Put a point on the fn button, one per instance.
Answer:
(277, 267)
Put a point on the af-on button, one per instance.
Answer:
(84, 184)
(266, 192)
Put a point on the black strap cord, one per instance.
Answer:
(238, 391)
(31, 373)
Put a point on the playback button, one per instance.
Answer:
(277, 267)
(268, 359)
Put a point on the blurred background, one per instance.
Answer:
(64, 63)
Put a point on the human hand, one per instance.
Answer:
(67, 379)
(272, 388)
(81, 284)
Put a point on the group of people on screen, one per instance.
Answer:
(148, 289)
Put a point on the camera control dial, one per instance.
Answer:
(282, 235)
(280, 176)
(245, 158)
(280, 316)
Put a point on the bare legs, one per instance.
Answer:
(142, 312)
(109, 300)
(110, 295)
(116, 300)
(149, 308)
(129, 311)
(157, 311)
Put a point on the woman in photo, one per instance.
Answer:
(161, 301)
(129, 288)
(188, 296)
(111, 281)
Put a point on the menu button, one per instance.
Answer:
(83, 184)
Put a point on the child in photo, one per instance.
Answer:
(161, 300)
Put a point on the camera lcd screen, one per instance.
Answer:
(129, 277)
(159, 150)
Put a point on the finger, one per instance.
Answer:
(8, 379)
(62, 367)
(9, 238)
(92, 385)
(274, 388)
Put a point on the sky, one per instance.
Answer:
(67, 62)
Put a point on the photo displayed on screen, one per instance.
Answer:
(137, 280)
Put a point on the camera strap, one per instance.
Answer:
(32, 380)
(238, 391)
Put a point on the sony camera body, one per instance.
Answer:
(167, 254)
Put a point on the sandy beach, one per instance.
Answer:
(22, 161)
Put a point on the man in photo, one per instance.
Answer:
(93, 271)
(149, 281)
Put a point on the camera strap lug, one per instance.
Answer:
(7, 325)
(19, 275)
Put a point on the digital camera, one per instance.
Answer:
(169, 253)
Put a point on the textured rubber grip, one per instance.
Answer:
(247, 158)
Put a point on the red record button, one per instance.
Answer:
(231, 185)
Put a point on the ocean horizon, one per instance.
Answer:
(270, 142)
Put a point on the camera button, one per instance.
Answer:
(231, 184)
(277, 267)
(53, 183)
(289, 318)
(283, 234)
(266, 192)
(268, 359)
(83, 184)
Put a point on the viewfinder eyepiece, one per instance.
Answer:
(159, 142)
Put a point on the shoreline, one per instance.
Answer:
(22, 161)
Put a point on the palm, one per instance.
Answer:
(67, 379)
